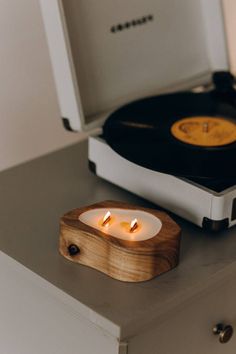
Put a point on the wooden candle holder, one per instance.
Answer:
(131, 261)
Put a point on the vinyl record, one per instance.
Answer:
(185, 134)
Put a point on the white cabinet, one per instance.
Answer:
(36, 317)
(49, 305)
(189, 328)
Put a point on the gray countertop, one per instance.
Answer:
(33, 197)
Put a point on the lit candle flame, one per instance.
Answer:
(106, 218)
(133, 225)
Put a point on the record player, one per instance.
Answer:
(150, 82)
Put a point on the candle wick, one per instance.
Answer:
(133, 225)
(106, 218)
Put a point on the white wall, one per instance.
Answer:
(30, 123)
(230, 24)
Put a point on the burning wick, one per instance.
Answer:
(106, 218)
(133, 225)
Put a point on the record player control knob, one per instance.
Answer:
(225, 332)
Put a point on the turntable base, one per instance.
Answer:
(211, 206)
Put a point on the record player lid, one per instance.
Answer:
(106, 53)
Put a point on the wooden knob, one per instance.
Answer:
(73, 250)
(225, 332)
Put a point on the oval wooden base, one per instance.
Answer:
(131, 261)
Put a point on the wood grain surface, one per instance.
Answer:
(120, 259)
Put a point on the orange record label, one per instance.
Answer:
(205, 131)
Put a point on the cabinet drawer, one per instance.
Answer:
(189, 330)
(36, 318)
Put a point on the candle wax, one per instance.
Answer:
(148, 224)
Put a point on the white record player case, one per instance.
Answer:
(107, 53)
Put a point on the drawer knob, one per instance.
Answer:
(224, 332)
(73, 250)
